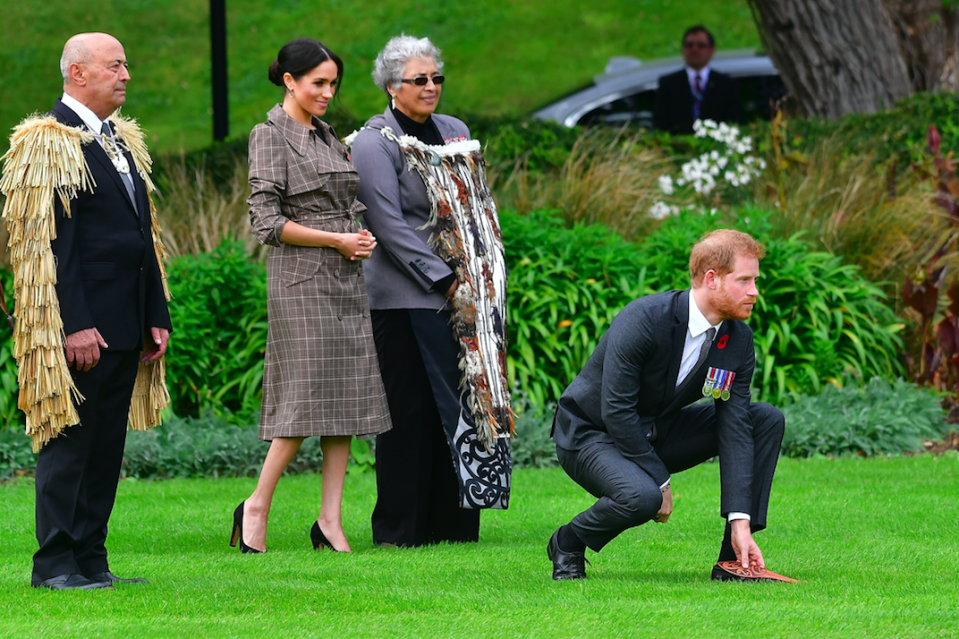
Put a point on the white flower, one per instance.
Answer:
(714, 170)
(661, 210)
(729, 176)
(681, 182)
(713, 211)
(666, 184)
(722, 162)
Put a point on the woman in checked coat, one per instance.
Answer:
(321, 376)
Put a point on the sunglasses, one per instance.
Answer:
(422, 81)
(696, 45)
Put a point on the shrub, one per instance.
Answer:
(816, 317)
(566, 285)
(16, 454)
(207, 446)
(10, 415)
(532, 446)
(880, 417)
(215, 358)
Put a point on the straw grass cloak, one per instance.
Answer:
(46, 161)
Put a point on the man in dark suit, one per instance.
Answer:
(695, 92)
(624, 425)
(114, 312)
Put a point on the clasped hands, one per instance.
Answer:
(83, 347)
(357, 246)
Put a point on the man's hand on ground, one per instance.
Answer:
(747, 552)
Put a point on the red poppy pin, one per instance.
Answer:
(721, 344)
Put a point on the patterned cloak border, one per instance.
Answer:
(45, 160)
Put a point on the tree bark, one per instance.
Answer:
(835, 56)
(924, 29)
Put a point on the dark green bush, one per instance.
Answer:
(215, 358)
(10, 415)
(532, 446)
(207, 446)
(878, 418)
(816, 318)
(565, 287)
(16, 456)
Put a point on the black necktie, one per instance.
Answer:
(110, 146)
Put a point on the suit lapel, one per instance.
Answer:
(680, 326)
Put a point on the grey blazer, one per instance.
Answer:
(626, 394)
(403, 269)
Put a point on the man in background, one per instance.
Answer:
(696, 92)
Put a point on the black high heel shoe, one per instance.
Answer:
(238, 532)
(319, 539)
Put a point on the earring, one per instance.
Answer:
(392, 101)
(290, 90)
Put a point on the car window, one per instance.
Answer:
(635, 109)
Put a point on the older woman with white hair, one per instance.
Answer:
(418, 490)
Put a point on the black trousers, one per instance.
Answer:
(628, 497)
(417, 493)
(77, 472)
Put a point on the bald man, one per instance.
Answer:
(114, 314)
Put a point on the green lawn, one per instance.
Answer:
(876, 543)
(502, 57)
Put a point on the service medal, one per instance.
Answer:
(711, 376)
(727, 384)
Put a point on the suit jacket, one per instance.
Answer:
(403, 269)
(626, 394)
(107, 272)
(673, 107)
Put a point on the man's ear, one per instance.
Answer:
(77, 75)
(711, 280)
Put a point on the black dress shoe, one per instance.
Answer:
(566, 565)
(113, 579)
(71, 582)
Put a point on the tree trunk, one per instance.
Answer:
(834, 56)
(949, 79)
(926, 30)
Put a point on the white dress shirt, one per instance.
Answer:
(89, 118)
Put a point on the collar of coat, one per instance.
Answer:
(297, 135)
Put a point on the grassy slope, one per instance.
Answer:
(502, 56)
(876, 542)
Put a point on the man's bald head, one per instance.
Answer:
(94, 68)
(79, 50)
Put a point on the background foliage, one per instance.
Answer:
(879, 417)
(501, 57)
(218, 312)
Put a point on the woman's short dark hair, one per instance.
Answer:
(298, 57)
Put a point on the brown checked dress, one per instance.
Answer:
(321, 375)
